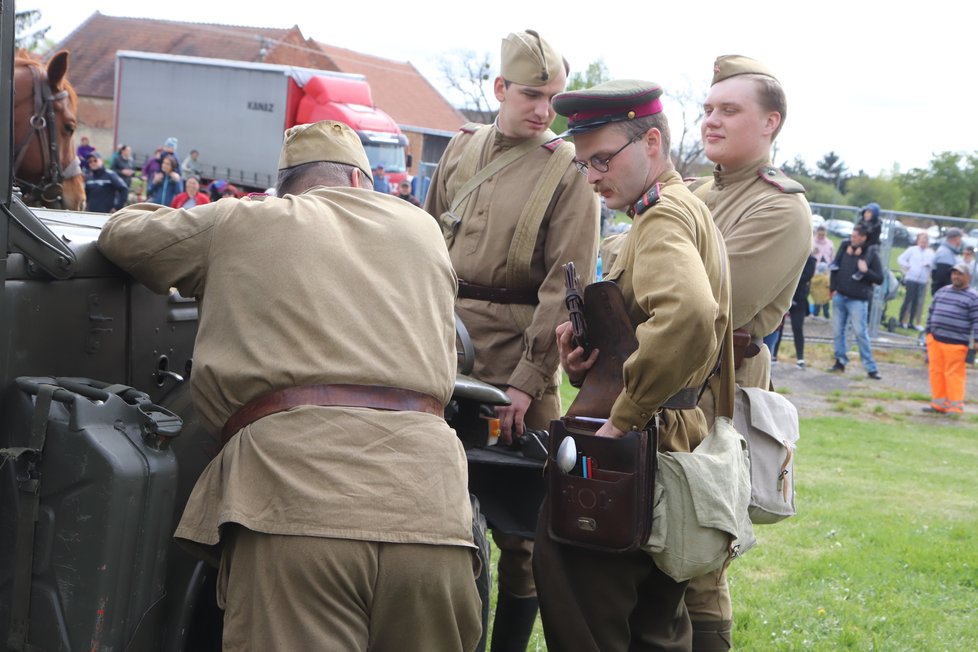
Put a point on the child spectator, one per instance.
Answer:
(821, 296)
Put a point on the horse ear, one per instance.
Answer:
(57, 69)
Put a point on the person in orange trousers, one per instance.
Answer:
(952, 326)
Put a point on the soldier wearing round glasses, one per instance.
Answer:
(678, 297)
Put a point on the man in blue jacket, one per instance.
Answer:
(855, 270)
(105, 191)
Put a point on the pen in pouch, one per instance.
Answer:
(585, 466)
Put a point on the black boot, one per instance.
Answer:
(513, 624)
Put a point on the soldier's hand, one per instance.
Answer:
(511, 416)
(609, 430)
(861, 264)
(572, 358)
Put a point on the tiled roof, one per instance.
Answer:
(398, 88)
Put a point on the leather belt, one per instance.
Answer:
(498, 295)
(376, 397)
(684, 399)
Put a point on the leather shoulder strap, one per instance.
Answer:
(466, 174)
(520, 254)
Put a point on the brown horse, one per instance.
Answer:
(46, 167)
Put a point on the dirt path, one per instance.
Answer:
(902, 392)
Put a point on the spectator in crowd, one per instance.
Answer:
(871, 218)
(917, 263)
(968, 258)
(191, 166)
(216, 187)
(821, 294)
(166, 184)
(381, 182)
(773, 340)
(952, 327)
(799, 310)
(84, 151)
(948, 255)
(155, 164)
(822, 247)
(855, 270)
(104, 189)
(404, 192)
(123, 165)
(191, 196)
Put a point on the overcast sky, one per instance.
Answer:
(879, 84)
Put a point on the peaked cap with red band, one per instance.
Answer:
(614, 101)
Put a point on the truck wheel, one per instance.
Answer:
(484, 581)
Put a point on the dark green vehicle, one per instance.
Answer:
(100, 447)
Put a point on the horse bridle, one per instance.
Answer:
(50, 190)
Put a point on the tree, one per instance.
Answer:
(797, 168)
(26, 38)
(820, 192)
(470, 76)
(687, 143)
(948, 186)
(832, 170)
(862, 189)
(596, 73)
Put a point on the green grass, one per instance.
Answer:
(882, 554)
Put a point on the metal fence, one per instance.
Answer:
(894, 224)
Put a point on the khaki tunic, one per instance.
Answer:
(677, 294)
(506, 354)
(768, 235)
(337, 285)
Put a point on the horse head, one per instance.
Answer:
(45, 164)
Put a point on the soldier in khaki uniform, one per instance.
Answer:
(513, 210)
(766, 226)
(671, 273)
(340, 490)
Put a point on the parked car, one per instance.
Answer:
(914, 231)
(817, 220)
(839, 228)
(901, 234)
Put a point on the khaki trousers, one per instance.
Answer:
(313, 593)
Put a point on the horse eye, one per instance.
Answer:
(70, 129)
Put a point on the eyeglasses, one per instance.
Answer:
(600, 164)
